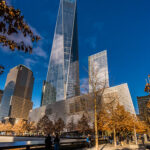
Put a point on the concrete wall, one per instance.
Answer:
(73, 108)
(15, 139)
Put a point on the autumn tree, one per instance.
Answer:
(102, 120)
(45, 125)
(140, 126)
(71, 125)
(95, 95)
(20, 127)
(12, 23)
(118, 120)
(83, 125)
(30, 127)
(59, 125)
(1, 127)
(7, 127)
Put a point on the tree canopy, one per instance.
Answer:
(12, 23)
(120, 120)
(45, 125)
(59, 125)
(83, 125)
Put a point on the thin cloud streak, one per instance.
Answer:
(29, 62)
(84, 85)
(38, 51)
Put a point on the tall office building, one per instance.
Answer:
(142, 103)
(98, 70)
(63, 72)
(16, 100)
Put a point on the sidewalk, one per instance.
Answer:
(111, 147)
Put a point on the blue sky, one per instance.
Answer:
(121, 27)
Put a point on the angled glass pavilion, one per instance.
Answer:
(63, 72)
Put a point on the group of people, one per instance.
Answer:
(48, 142)
(56, 141)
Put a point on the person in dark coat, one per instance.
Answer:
(56, 142)
(128, 139)
(142, 138)
(48, 142)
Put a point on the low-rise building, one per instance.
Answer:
(77, 106)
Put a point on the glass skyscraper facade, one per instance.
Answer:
(98, 70)
(63, 72)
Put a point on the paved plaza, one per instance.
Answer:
(125, 147)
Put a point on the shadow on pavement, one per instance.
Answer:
(147, 146)
(144, 147)
(103, 147)
(124, 149)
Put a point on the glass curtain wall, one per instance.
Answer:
(63, 71)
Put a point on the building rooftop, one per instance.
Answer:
(142, 97)
(99, 53)
(20, 65)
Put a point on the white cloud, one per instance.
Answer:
(19, 37)
(29, 62)
(35, 31)
(5, 49)
(84, 85)
(40, 52)
(9, 2)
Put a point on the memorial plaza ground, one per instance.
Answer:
(111, 147)
(131, 146)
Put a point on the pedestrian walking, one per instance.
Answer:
(148, 137)
(88, 141)
(128, 140)
(142, 138)
(56, 142)
(110, 139)
(48, 142)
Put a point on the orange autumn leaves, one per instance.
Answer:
(119, 119)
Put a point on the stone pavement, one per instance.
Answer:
(125, 147)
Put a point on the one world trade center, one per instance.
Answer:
(63, 71)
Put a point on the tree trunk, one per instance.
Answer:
(145, 138)
(135, 138)
(115, 137)
(96, 130)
